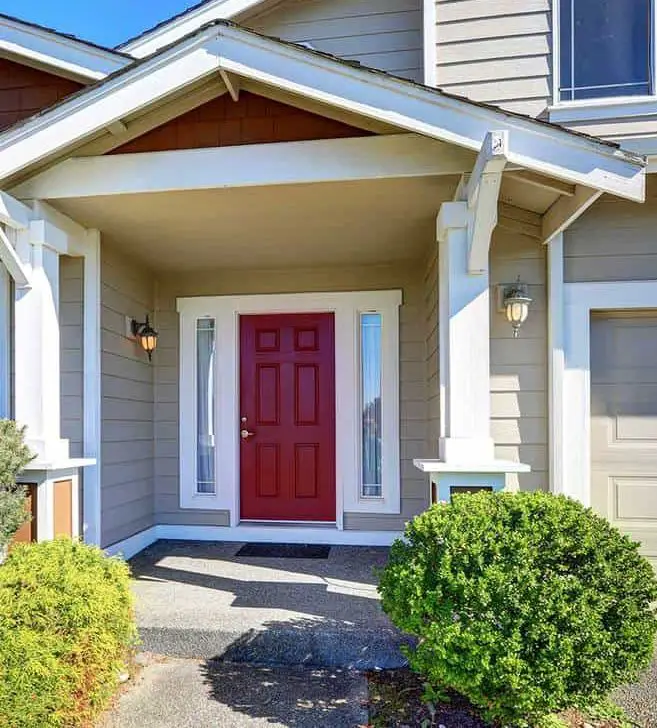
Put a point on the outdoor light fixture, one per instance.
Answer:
(516, 305)
(145, 335)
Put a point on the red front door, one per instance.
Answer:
(287, 400)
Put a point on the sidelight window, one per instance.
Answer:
(371, 391)
(205, 406)
(605, 48)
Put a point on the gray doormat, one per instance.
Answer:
(285, 551)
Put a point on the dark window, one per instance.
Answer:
(605, 48)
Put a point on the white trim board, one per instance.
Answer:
(324, 160)
(132, 545)
(573, 408)
(293, 69)
(57, 53)
(346, 307)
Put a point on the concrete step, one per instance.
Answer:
(345, 648)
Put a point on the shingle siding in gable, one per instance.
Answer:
(251, 120)
(383, 34)
(24, 91)
(498, 52)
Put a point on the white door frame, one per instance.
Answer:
(347, 307)
(580, 300)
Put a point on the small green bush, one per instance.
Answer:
(66, 630)
(527, 604)
(14, 456)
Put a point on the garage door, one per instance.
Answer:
(624, 423)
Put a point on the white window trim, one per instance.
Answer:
(616, 106)
(347, 308)
(574, 402)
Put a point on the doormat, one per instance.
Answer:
(285, 551)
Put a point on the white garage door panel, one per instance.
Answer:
(624, 423)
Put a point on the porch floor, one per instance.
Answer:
(201, 600)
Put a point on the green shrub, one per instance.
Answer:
(14, 456)
(66, 629)
(526, 604)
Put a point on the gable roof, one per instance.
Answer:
(184, 23)
(223, 47)
(57, 52)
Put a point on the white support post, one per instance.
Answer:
(91, 367)
(466, 448)
(556, 362)
(464, 330)
(37, 345)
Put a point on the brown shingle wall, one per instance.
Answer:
(25, 90)
(251, 120)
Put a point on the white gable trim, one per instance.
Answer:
(184, 24)
(57, 53)
(532, 145)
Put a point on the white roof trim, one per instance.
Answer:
(532, 145)
(184, 24)
(65, 56)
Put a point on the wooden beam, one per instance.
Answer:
(232, 84)
(544, 183)
(482, 192)
(326, 160)
(566, 210)
(12, 262)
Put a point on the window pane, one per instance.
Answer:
(205, 400)
(370, 334)
(605, 48)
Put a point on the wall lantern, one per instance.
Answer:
(516, 305)
(145, 335)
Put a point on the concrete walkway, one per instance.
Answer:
(175, 693)
(202, 601)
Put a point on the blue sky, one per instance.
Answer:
(107, 22)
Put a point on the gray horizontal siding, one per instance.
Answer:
(71, 295)
(127, 401)
(497, 52)
(519, 417)
(383, 34)
(613, 241)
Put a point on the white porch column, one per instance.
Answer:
(464, 341)
(36, 342)
(466, 448)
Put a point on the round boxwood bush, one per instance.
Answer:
(525, 603)
(66, 630)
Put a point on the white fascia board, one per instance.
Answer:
(324, 160)
(63, 55)
(91, 112)
(187, 23)
(533, 145)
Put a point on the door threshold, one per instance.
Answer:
(288, 524)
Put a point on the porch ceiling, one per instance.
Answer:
(363, 222)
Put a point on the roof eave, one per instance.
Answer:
(372, 94)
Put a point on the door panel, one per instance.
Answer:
(287, 400)
(624, 424)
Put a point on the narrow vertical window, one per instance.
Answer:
(205, 406)
(370, 376)
(606, 48)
